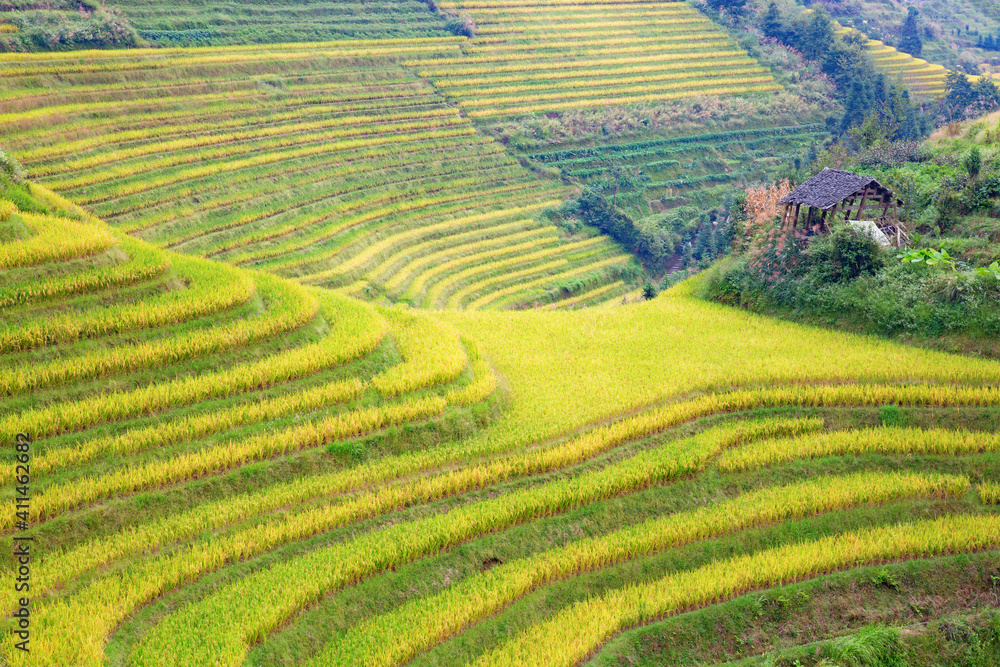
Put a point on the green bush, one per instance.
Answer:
(10, 166)
(844, 255)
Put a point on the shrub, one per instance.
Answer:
(844, 255)
(463, 26)
(10, 166)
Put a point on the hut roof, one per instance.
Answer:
(829, 187)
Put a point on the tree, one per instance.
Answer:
(819, 35)
(974, 162)
(771, 23)
(734, 7)
(910, 41)
(959, 95)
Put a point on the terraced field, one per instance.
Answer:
(243, 22)
(329, 163)
(229, 467)
(687, 171)
(922, 78)
(530, 57)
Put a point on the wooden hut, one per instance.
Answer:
(833, 192)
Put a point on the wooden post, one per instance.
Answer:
(861, 206)
(847, 209)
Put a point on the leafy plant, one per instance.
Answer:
(991, 270)
(927, 256)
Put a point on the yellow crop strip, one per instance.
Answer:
(406, 237)
(479, 284)
(499, 295)
(572, 634)
(547, 242)
(354, 333)
(144, 262)
(888, 440)
(396, 637)
(288, 307)
(432, 354)
(621, 100)
(635, 89)
(64, 496)
(589, 295)
(54, 239)
(348, 138)
(490, 269)
(989, 493)
(241, 613)
(329, 230)
(296, 133)
(463, 244)
(209, 289)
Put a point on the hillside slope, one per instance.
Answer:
(242, 493)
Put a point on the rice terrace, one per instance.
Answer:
(469, 332)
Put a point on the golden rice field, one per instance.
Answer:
(329, 163)
(266, 315)
(922, 78)
(274, 473)
(530, 57)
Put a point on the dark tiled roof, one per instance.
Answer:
(827, 188)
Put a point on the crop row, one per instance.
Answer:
(404, 266)
(444, 70)
(428, 190)
(449, 232)
(599, 293)
(287, 307)
(482, 269)
(397, 636)
(392, 175)
(622, 99)
(454, 80)
(634, 149)
(354, 333)
(500, 295)
(667, 88)
(219, 628)
(887, 440)
(672, 79)
(482, 284)
(427, 214)
(54, 239)
(149, 63)
(258, 50)
(221, 122)
(432, 354)
(481, 191)
(231, 115)
(61, 497)
(314, 168)
(230, 166)
(340, 139)
(394, 269)
(363, 126)
(540, 239)
(232, 101)
(143, 264)
(572, 634)
(209, 289)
